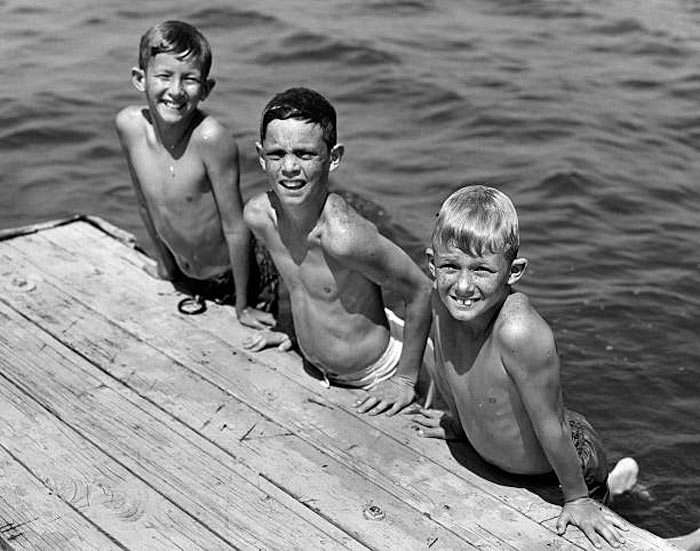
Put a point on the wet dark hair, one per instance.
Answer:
(178, 38)
(305, 105)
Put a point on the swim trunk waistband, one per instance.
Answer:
(382, 369)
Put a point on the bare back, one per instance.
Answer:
(174, 189)
(472, 373)
(338, 309)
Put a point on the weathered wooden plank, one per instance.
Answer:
(74, 469)
(32, 517)
(317, 480)
(516, 498)
(389, 463)
(196, 476)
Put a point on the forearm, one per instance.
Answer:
(239, 252)
(415, 334)
(562, 456)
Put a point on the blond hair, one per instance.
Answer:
(478, 219)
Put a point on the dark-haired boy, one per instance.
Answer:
(333, 261)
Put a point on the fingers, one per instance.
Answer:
(610, 531)
(254, 344)
(267, 319)
(253, 323)
(594, 527)
(431, 432)
(562, 522)
(371, 405)
(592, 536)
(285, 346)
(398, 406)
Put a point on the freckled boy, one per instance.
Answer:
(497, 367)
(184, 168)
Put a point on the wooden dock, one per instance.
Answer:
(127, 425)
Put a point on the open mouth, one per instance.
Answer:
(292, 184)
(174, 106)
(465, 302)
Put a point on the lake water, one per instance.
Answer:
(586, 113)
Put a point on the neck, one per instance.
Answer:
(173, 136)
(481, 328)
(304, 216)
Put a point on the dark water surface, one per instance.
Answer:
(586, 113)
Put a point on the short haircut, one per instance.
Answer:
(477, 219)
(178, 38)
(305, 105)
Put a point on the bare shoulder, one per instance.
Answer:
(212, 135)
(257, 212)
(520, 327)
(345, 231)
(130, 119)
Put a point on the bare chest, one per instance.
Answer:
(171, 182)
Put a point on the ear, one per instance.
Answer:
(431, 261)
(138, 79)
(261, 157)
(517, 270)
(208, 87)
(336, 156)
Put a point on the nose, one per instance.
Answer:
(176, 89)
(290, 164)
(465, 282)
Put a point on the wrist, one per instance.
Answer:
(579, 499)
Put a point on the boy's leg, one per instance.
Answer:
(264, 280)
(623, 476)
(594, 463)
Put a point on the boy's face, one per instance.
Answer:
(472, 286)
(296, 159)
(173, 87)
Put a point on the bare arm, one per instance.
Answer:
(220, 154)
(387, 265)
(530, 358)
(126, 128)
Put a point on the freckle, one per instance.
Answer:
(189, 198)
(492, 400)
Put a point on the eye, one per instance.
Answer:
(305, 155)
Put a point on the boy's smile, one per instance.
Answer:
(296, 159)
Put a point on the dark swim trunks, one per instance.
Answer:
(594, 463)
(262, 288)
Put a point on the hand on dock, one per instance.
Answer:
(257, 319)
(390, 396)
(592, 519)
(266, 339)
(435, 423)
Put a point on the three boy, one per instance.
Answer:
(496, 360)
